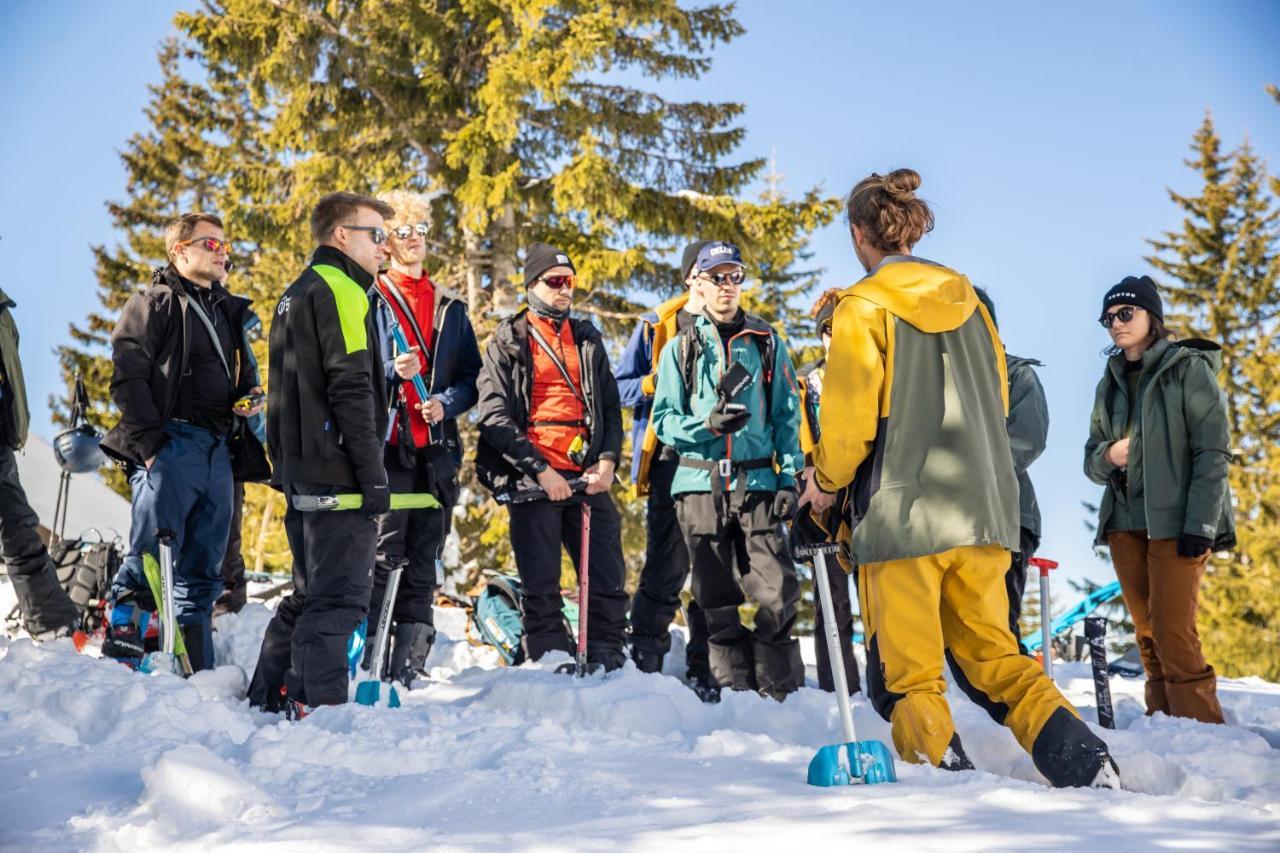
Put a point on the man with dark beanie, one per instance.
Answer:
(653, 467)
(549, 413)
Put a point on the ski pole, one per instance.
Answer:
(403, 344)
(584, 580)
(1046, 633)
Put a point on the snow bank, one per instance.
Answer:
(94, 756)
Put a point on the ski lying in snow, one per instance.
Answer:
(344, 502)
(369, 691)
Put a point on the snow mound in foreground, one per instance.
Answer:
(95, 756)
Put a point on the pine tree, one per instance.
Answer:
(518, 116)
(1221, 269)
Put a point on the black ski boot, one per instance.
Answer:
(410, 644)
(124, 644)
(704, 687)
(646, 659)
(955, 758)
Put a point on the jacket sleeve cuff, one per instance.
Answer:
(151, 443)
(610, 455)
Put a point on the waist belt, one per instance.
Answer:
(726, 469)
(559, 423)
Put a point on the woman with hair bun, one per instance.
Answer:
(914, 403)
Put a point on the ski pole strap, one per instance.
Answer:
(726, 469)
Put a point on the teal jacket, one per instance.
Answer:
(680, 415)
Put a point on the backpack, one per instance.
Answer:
(85, 570)
(498, 614)
(691, 346)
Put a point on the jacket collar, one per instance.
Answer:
(5, 301)
(335, 257)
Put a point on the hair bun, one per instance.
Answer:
(902, 184)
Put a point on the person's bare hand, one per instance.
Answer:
(432, 410)
(151, 462)
(600, 476)
(813, 496)
(1118, 453)
(407, 364)
(556, 487)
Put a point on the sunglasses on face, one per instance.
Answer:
(404, 232)
(376, 234)
(726, 279)
(212, 244)
(1124, 315)
(559, 282)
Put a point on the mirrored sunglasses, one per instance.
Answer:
(404, 232)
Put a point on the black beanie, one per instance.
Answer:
(540, 257)
(690, 256)
(1140, 291)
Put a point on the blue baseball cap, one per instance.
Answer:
(717, 252)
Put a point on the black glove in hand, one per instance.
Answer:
(806, 531)
(727, 418)
(784, 504)
(1192, 547)
(376, 498)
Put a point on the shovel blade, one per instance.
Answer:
(865, 762)
(370, 693)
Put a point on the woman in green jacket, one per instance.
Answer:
(1159, 442)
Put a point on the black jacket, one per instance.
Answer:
(149, 350)
(326, 400)
(505, 458)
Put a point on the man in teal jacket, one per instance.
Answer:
(727, 402)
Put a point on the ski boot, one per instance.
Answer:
(703, 687)
(125, 635)
(283, 703)
(410, 644)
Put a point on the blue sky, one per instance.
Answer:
(1046, 138)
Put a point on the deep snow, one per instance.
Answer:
(93, 756)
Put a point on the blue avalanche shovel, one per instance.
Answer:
(369, 692)
(854, 762)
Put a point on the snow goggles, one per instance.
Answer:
(404, 232)
(559, 282)
(376, 234)
(1124, 315)
(212, 244)
(734, 278)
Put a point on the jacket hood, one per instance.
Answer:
(667, 309)
(512, 332)
(1206, 349)
(929, 296)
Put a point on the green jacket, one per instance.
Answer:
(680, 414)
(913, 416)
(1028, 427)
(1183, 427)
(14, 387)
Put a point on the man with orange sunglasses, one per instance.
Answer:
(180, 364)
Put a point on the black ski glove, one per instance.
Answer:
(727, 418)
(806, 531)
(376, 498)
(784, 504)
(1192, 547)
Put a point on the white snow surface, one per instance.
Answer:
(95, 757)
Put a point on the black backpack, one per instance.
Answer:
(85, 570)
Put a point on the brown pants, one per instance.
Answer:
(1160, 589)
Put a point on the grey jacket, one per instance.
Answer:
(1028, 427)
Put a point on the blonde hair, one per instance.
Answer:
(885, 207)
(410, 207)
(828, 296)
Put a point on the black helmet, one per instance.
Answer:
(77, 450)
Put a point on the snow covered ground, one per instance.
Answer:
(93, 756)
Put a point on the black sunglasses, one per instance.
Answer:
(720, 279)
(1124, 315)
(404, 232)
(378, 235)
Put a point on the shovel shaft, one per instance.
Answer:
(834, 653)
(584, 584)
(1046, 634)
(384, 623)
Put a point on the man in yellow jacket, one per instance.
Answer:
(913, 419)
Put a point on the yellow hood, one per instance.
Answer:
(930, 297)
(667, 309)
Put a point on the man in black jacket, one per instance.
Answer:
(179, 366)
(549, 413)
(326, 418)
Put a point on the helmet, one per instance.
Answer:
(77, 450)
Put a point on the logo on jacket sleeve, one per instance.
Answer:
(283, 307)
